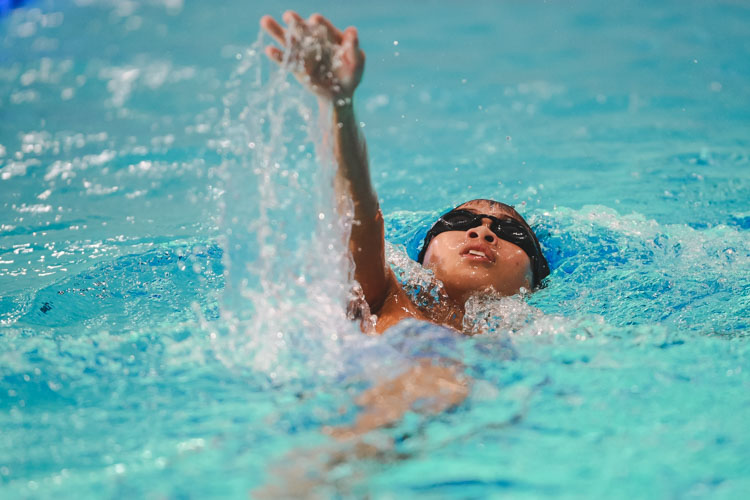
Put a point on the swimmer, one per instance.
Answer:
(480, 247)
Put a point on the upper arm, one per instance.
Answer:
(367, 245)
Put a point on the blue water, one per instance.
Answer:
(173, 292)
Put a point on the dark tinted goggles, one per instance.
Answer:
(506, 229)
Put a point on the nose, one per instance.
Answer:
(483, 232)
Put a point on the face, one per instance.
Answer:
(476, 260)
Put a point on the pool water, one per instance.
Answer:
(173, 285)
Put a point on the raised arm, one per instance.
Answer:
(330, 63)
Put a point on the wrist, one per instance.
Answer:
(337, 102)
(346, 101)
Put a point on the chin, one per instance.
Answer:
(462, 281)
(460, 290)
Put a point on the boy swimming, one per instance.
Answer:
(480, 247)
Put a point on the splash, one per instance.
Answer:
(633, 270)
(423, 288)
(287, 265)
(489, 314)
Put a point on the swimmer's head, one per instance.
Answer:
(470, 253)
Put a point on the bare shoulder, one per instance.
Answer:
(397, 306)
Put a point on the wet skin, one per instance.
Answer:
(476, 260)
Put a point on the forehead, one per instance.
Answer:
(484, 207)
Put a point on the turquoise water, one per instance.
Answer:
(168, 329)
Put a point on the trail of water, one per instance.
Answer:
(286, 260)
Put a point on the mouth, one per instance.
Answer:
(478, 254)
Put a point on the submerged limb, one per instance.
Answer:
(428, 388)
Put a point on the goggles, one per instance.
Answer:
(506, 229)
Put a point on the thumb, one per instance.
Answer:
(351, 43)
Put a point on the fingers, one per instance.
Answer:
(350, 46)
(277, 33)
(273, 28)
(334, 34)
(313, 42)
(295, 25)
(351, 43)
(274, 54)
(351, 36)
(291, 18)
(294, 22)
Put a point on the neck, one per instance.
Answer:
(447, 312)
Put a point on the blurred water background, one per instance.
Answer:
(172, 286)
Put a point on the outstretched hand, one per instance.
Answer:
(326, 60)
